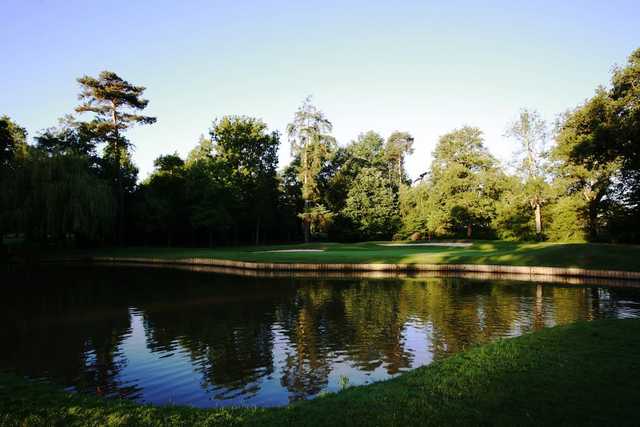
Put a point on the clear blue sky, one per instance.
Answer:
(421, 66)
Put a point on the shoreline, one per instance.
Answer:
(494, 383)
(512, 270)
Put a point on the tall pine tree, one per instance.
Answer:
(116, 104)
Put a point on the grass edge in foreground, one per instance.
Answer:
(583, 373)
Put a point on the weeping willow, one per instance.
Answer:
(59, 198)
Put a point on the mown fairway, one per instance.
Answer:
(584, 255)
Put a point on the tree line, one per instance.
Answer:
(575, 179)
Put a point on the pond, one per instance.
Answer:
(172, 336)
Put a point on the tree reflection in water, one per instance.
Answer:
(212, 339)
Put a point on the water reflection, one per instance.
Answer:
(172, 336)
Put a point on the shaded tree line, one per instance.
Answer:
(578, 179)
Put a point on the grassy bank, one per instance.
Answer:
(585, 373)
(584, 255)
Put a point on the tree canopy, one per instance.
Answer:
(76, 180)
(115, 104)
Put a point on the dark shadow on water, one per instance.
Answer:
(555, 280)
(210, 337)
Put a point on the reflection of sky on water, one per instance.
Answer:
(208, 340)
(145, 368)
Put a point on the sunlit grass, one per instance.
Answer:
(585, 255)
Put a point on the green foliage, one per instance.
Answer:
(245, 145)
(13, 152)
(13, 144)
(203, 150)
(62, 199)
(597, 153)
(513, 217)
(568, 219)
(53, 192)
(310, 138)
(368, 167)
(371, 205)
(290, 201)
(625, 96)
(364, 152)
(530, 131)
(164, 198)
(397, 147)
(208, 197)
(311, 142)
(463, 186)
(587, 186)
(170, 163)
(69, 137)
(115, 104)
(318, 218)
(415, 210)
(580, 136)
(228, 182)
(367, 150)
(249, 153)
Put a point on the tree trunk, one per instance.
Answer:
(210, 238)
(306, 228)
(118, 177)
(468, 231)
(593, 221)
(4, 250)
(258, 231)
(538, 220)
(119, 195)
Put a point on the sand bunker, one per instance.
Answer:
(295, 250)
(452, 244)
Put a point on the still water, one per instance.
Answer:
(208, 339)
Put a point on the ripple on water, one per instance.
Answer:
(202, 339)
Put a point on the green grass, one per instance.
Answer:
(587, 373)
(585, 255)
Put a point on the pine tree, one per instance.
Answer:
(115, 104)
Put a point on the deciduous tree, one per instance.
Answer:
(398, 146)
(372, 206)
(581, 135)
(250, 153)
(464, 181)
(530, 131)
(310, 137)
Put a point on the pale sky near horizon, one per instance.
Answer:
(418, 66)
